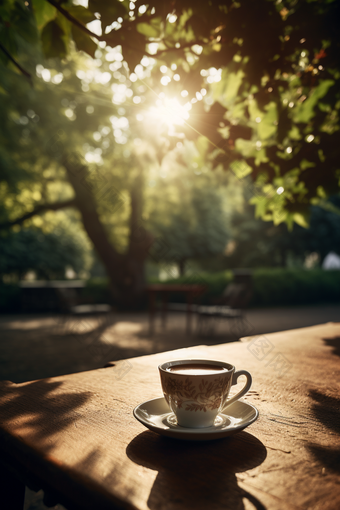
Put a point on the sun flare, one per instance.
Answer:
(170, 111)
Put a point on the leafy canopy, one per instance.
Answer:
(272, 107)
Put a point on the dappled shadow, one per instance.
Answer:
(335, 343)
(47, 346)
(326, 410)
(329, 457)
(41, 408)
(195, 474)
(42, 435)
(39, 412)
(89, 335)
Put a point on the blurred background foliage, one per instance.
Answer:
(49, 255)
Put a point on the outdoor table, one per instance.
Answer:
(45, 295)
(75, 435)
(191, 291)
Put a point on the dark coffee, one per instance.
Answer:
(197, 369)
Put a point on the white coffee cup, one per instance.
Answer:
(196, 390)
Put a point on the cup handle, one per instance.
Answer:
(244, 390)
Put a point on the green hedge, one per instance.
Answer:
(271, 287)
(96, 291)
(274, 287)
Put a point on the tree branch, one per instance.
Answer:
(77, 23)
(81, 26)
(107, 38)
(38, 210)
(17, 65)
(72, 19)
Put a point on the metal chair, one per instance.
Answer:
(229, 306)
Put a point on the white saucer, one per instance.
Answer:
(156, 416)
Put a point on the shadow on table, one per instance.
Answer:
(198, 474)
(19, 411)
(56, 411)
(335, 343)
(326, 410)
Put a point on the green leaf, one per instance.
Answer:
(133, 54)
(109, 11)
(80, 13)
(6, 7)
(9, 41)
(306, 111)
(203, 146)
(149, 30)
(328, 206)
(245, 147)
(44, 12)
(267, 127)
(301, 219)
(53, 40)
(261, 204)
(241, 169)
(20, 21)
(132, 57)
(65, 25)
(83, 41)
(289, 221)
(227, 89)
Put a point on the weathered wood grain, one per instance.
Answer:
(76, 433)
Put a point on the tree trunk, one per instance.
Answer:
(181, 267)
(139, 245)
(125, 271)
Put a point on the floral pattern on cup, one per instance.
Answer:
(206, 395)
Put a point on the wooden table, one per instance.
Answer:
(191, 292)
(75, 435)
